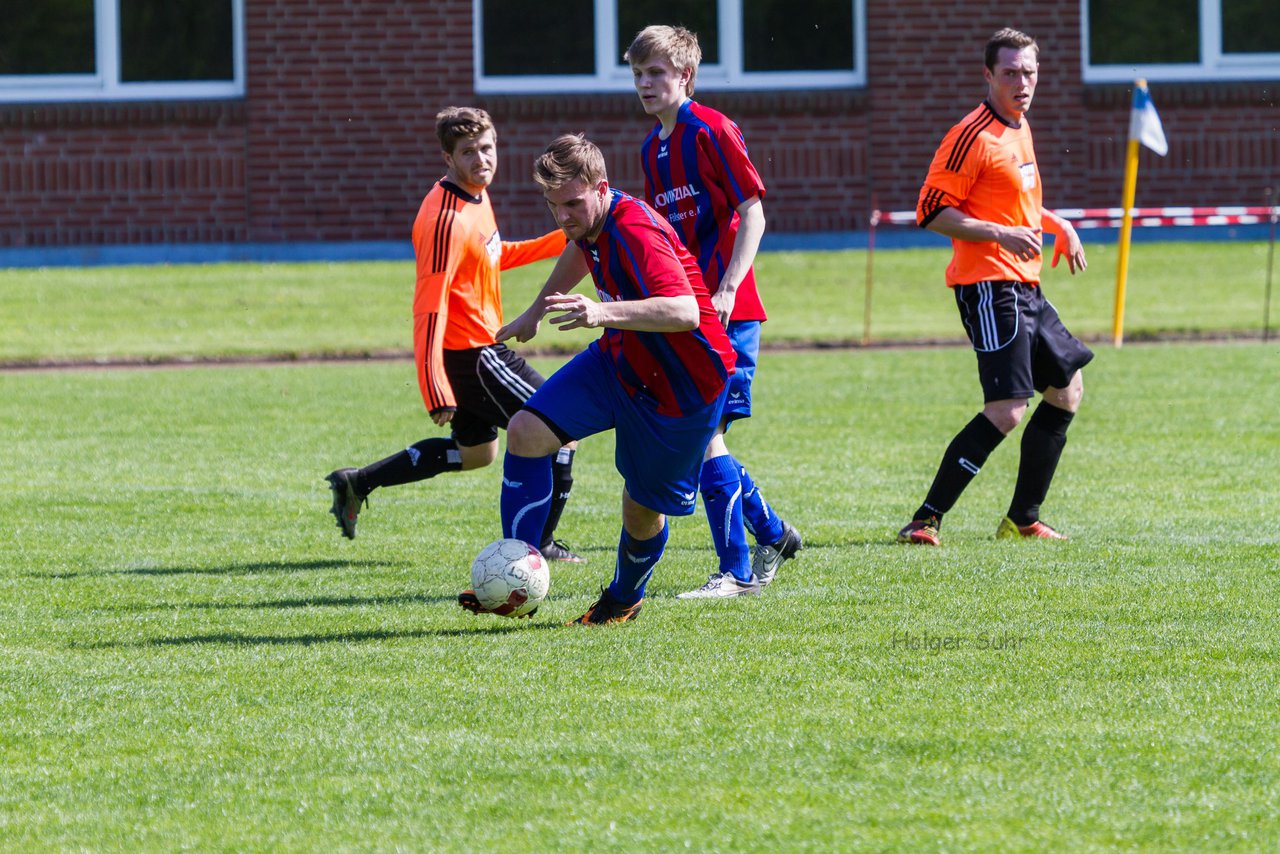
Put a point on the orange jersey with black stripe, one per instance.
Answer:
(985, 168)
(457, 303)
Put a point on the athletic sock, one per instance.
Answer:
(1042, 444)
(963, 459)
(425, 459)
(636, 562)
(526, 495)
(562, 480)
(757, 515)
(721, 487)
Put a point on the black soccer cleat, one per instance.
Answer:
(767, 558)
(346, 500)
(557, 550)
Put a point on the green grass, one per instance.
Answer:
(191, 656)
(291, 309)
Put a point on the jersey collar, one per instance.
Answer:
(1001, 119)
(450, 187)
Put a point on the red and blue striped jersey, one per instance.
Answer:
(638, 255)
(696, 178)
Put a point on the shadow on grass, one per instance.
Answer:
(330, 602)
(282, 604)
(230, 569)
(228, 639)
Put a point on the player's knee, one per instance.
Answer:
(640, 522)
(1005, 414)
(1068, 397)
(528, 436)
(478, 456)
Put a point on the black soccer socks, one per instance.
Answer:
(425, 459)
(963, 459)
(562, 484)
(1042, 444)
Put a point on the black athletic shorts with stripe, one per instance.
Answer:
(1021, 344)
(490, 385)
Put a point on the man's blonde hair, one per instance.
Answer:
(569, 156)
(455, 123)
(674, 44)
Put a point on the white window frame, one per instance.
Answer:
(1213, 64)
(611, 76)
(105, 83)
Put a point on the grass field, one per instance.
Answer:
(287, 309)
(192, 657)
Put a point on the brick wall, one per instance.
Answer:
(342, 97)
(810, 149)
(335, 139)
(115, 173)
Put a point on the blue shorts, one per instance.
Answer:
(744, 335)
(658, 456)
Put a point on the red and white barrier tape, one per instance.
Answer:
(1114, 217)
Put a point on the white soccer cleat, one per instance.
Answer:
(722, 585)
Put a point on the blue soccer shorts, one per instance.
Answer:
(658, 456)
(744, 335)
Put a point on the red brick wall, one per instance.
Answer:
(117, 173)
(810, 149)
(921, 85)
(335, 139)
(342, 97)
(1224, 145)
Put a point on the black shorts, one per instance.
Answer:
(490, 385)
(1021, 344)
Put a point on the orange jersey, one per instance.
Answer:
(457, 303)
(986, 169)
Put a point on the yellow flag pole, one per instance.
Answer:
(1126, 229)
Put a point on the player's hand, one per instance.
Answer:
(442, 417)
(523, 328)
(723, 301)
(574, 311)
(1068, 244)
(1022, 242)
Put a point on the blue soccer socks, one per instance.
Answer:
(721, 486)
(636, 561)
(757, 515)
(526, 497)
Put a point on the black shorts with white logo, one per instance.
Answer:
(490, 385)
(1021, 344)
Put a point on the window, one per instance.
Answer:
(83, 50)
(746, 44)
(1181, 40)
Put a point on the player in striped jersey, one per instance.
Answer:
(657, 376)
(698, 176)
(983, 191)
(469, 382)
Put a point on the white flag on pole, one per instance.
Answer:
(1144, 122)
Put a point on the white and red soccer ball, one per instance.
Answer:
(510, 577)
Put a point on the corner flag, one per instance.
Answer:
(1144, 122)
(1144, 129)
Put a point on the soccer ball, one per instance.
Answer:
(510, 578)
